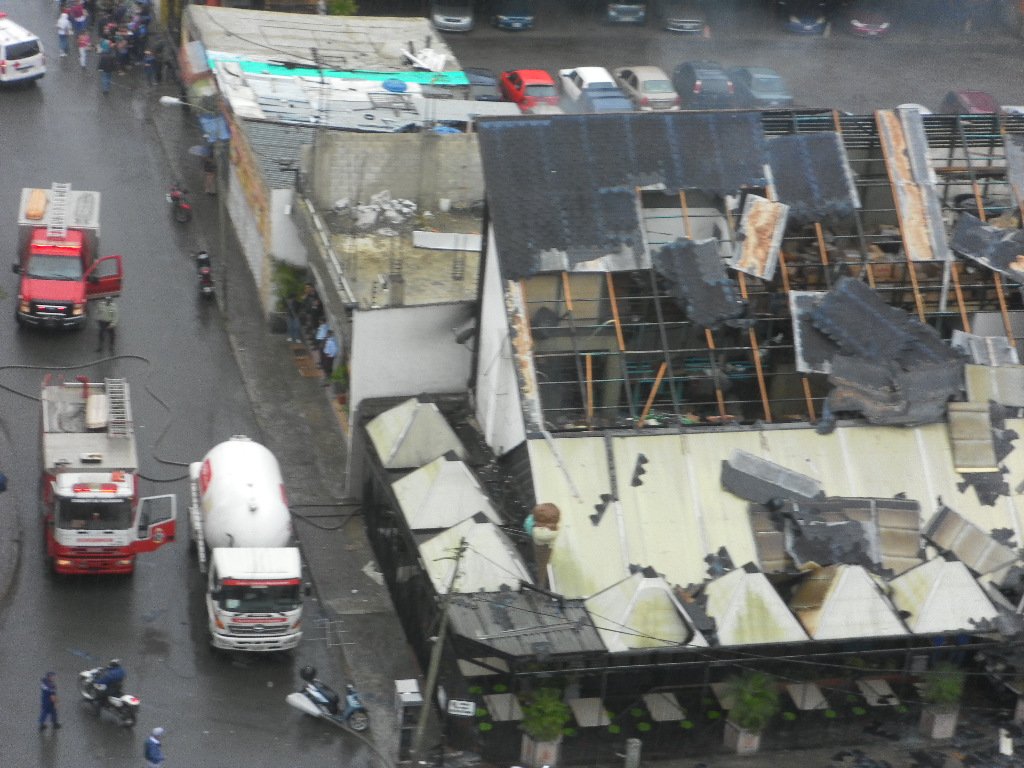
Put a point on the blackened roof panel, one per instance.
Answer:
(699, 281)
(993, 247)
(812, 176)
(562, 189)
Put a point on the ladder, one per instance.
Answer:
(57, 221)
(119, 422)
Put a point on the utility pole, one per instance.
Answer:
(435, 657)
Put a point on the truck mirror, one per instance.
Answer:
(307, 589)
(215, 595)
(16, 269)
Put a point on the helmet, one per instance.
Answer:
(114, 663)
(307, 673)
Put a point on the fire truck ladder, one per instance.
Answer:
(57, 221)
(119, 422)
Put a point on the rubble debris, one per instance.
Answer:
(755, 479)
(1001, 250)
(700, 282)
(812, 176)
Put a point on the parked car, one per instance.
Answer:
(969, 103)
(703, 85)
(483, 84)
(804, 17)
(759, 87)
(513, 15)
(605, 101)
(626, 12)
(452, 15)
(527, 87)
(576, 82)
(682, 16)
(868, 18)
(649, 88)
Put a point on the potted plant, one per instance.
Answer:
(755, 701)
(339, 381)
(941, 692)
(545, 716)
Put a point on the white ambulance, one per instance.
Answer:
(21, 53)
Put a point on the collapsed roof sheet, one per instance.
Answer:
(699, 282)
(905, 148)
(562, 189)
(489, 562)
(979, 551)
(641, 612)
(441, 494)
(941, 596)
(412, 434)
(843, 601)
(812, 176)
(1003, 384)
(524, 623)
(994, 247)
(747, 610)
(985, 350)
(762, 226)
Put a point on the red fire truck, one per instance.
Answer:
(93, 518)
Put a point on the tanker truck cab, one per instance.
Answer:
(254, 598)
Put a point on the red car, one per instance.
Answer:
(528, 88)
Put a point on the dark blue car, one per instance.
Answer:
(804, 17)
(513, 15)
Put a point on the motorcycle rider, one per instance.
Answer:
(109, 681)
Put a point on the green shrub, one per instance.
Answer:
(755, 697)
(288, 281)
(943, 685)
(342, 7)
(545, 714)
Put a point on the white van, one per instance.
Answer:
(21, 53)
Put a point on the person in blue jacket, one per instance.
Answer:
(154, 751)
(112, 677)
(48, 701)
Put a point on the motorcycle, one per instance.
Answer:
(205, 274)
(180, 206)
(125, 707)
(317, 699)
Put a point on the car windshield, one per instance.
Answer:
(657, 86)
(94, 514)
(541, 91)
(259, 598)
(54, 267)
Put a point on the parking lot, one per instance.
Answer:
(926, 54)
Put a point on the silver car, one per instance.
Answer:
(649, 88)
(452, 15)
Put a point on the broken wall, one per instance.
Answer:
(422, 167)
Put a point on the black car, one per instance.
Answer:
(703, 85)
(483, 84)
(760, 87)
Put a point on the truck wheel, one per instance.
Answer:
(127, 717)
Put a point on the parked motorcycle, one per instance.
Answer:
(180, 206)
(205, 273)
(124, 707)
(317, 699)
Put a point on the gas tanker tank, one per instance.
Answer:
(242, 496)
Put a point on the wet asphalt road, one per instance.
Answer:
(187, 396)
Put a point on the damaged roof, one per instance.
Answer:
(699, 281)
(489, 561)
(550, 211)
(843, 601)
(441, 494)
(412, 434)
(747, 610)
(941, 596)
(812, 176)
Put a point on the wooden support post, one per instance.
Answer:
(710, 339)
(615, 311)
(686, 215)
(654, 392)
(808, 399)
(1001, 297)
(918, 302)
(590, 389)
(566, 292)
(959, 291)
(757, 356)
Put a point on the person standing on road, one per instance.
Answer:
(154, 751)
(294, 325)
(149, 67)
(106, 317)
(48, 701)
(106, 65)
(64, 34)
(84, 41)
(330, 351)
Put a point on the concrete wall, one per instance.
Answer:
(285, 244)
(422, 167)
(408, 351)
(498, 408)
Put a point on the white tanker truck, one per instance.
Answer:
(242, 531)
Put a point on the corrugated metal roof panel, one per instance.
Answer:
(951, 531)
(412, 434)
(489, 562)
(747, 610)
(843, 601)
(985, 350)
(970, 430)
(641, 612)
(941, 596)
(522, 623)
(762, 225)
(1003, 384)
(440, 495)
